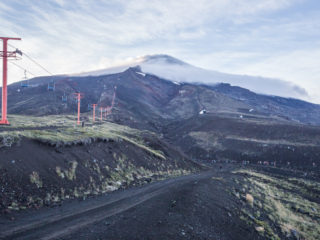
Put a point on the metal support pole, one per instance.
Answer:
(5, 54)
(94, 112)
(78, 96)
(4, 119)
(78, 122)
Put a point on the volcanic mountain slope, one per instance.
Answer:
(140, 98)
(293, 109)
(216, 137)
(168, 67)
(147, 100)
(143, 94)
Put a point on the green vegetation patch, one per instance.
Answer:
(61, 130)
(207, 140)
(286, 203)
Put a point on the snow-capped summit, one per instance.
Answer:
(173, 69)
(162, 58)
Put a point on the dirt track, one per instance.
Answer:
(190, 207)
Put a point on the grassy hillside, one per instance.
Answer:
(279, 205)
(61, 130)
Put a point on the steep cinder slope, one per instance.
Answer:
(218, 137)
(293, 109)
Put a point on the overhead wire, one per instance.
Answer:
(37, 63)
(31, 59)
(22, 68)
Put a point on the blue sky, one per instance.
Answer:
(271, 38)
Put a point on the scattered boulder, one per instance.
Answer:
(249, 199)
(173, 203)
(259, 229)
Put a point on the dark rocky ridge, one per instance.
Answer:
(148, 98)
(293, 109)
(214, 137)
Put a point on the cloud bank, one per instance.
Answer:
(176, 70)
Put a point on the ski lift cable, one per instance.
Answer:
(31, 59)
(37, 63)
(23, 69)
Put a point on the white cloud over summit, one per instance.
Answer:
(176, 70)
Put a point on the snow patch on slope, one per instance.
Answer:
(142, 74)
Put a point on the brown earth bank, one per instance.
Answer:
(36, 173)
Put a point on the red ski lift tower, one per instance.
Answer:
(78, 96)
(94, 112)
(5, 54)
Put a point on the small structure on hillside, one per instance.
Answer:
(51, 86)
(64, 98)
(203, 111)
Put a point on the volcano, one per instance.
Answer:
(178, 71)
